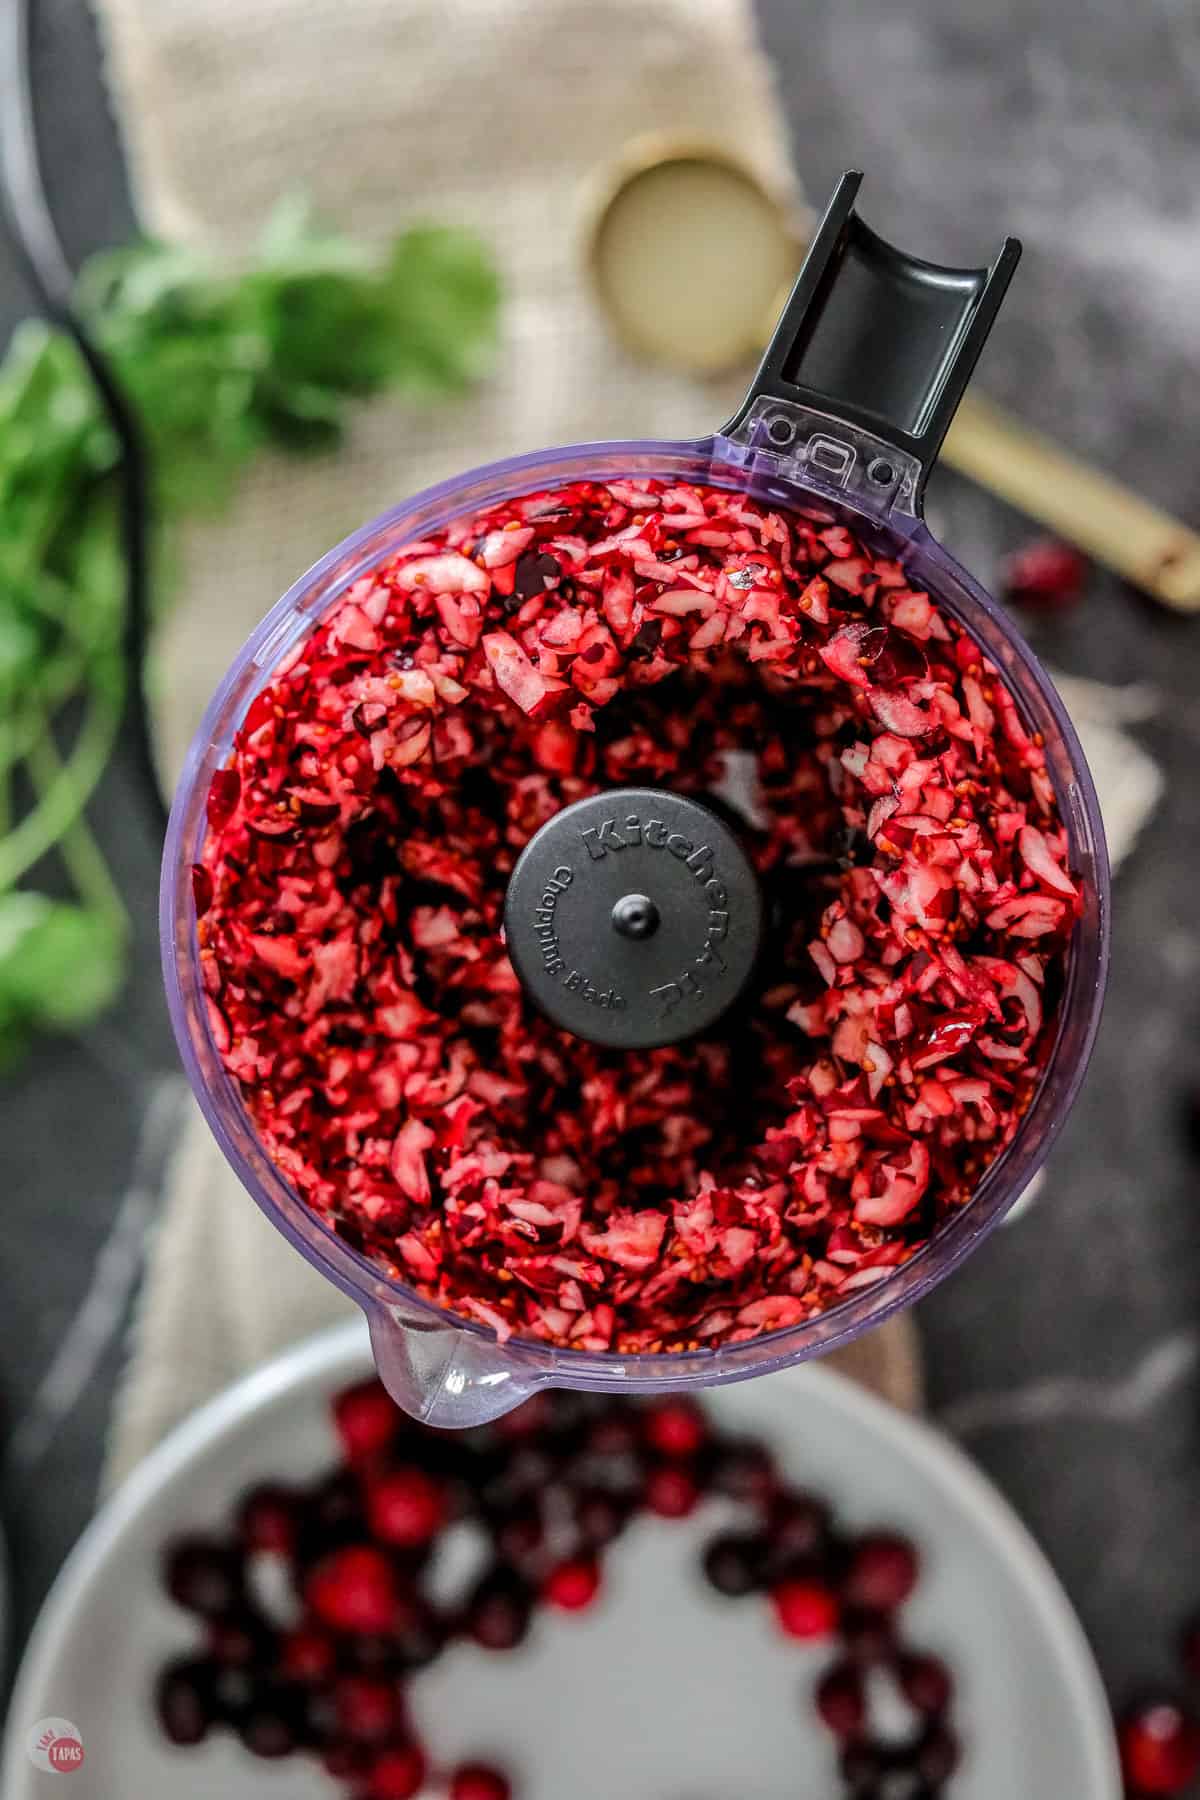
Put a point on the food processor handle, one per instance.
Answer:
(877, 340)
(443, 1374)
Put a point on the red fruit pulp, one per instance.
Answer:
(358, 854)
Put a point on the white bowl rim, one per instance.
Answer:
(343, 1351)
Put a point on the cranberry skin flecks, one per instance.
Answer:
(905, 832)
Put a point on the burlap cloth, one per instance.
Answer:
(494, 114)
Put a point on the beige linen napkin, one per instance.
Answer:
(494, 114)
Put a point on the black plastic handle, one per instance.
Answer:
(878, 338)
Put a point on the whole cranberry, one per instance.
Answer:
(841, 1701)
(868, 1638)
(613, 1434)
(671, 1491)
(883, 1572)
(367, 1708)
(734, 1564)
(937, 1756)
(241, 1640)
(396, 1774)
(1189, 1648)
(805, 1608)
(925, 1682)
(354, 1590)
(518, 1532)
(184, 1701)
(1046, 575)
(1160, 1748)
(267, 1519)
(367, 1420)
(306, 1655)
(268, 1731)
(743, 1469)
(572, 1585)
(405, 1507)
(863, 1768)
(497, 1614)
(674, 1427)
(600, 1518)
(204, 1576)
(532, 1418)
(476, 1781)
(798, 1527)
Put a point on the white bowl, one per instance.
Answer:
(664, 1691)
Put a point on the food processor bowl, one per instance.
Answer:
(841, 424)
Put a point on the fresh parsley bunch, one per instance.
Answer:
(216, 364)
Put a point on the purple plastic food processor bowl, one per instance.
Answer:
(842, 422)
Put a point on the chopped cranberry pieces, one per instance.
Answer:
(351, 886)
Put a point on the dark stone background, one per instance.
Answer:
(1078, 128)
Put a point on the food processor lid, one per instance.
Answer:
(870, 358)
(634, 918)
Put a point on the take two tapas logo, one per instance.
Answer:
(56, 1747)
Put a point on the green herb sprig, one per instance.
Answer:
(216, 365)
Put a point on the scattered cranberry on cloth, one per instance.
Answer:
(904, 826)
(550, 1488)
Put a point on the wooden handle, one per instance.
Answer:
(1114, 526)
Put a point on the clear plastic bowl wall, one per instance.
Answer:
(440, 1367)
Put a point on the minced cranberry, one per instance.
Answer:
(476, 1781)
(572, 1585)
(805, 1609)
(359, 845)
(1160, 1749)
(405, 1507)
(883, 1572)
(354, 1590)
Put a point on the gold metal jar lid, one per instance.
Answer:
(692, 251)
